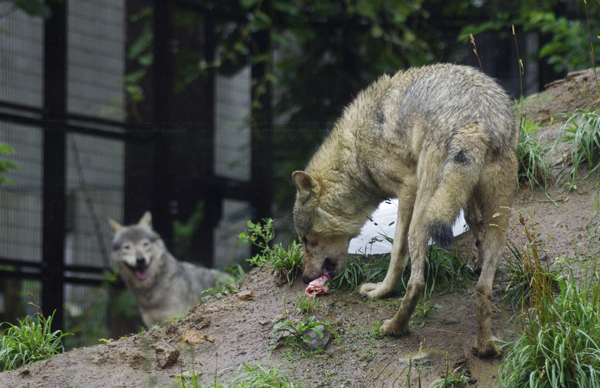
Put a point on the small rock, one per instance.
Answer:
(166, 355)
(278, 318)
(316, 342)
(245, 295)
(193, 338)
(25, 372)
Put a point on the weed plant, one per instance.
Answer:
(582, 134)
(534, 167)
(299, 329)
(525, 269)
(286, 262)
(29, 341)
(423, 310)
(560, 342)
(307, 305)
(455, 379)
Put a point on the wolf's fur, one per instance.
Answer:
(163, 286)
(439, 138)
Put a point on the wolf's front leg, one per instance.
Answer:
(406, 202)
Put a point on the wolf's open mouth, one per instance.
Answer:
(141, 271)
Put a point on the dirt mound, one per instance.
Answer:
(577, 90)
(222, 335)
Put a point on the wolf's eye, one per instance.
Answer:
(146, 244)
(127, 247)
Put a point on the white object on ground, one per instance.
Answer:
(383, 223)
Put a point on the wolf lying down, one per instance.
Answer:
(439, 138)
(163, 286)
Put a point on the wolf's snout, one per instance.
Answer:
(140, 260)
(328, 265)
(305, 279)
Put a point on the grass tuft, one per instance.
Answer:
(286, 262)
(560, 342)
(534, 167)
(582, 134)
(29, 341)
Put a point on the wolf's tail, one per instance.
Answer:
(459, 176)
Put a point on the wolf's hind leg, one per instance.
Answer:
(406, 202)
(497, 189)
(476, 226)
(418, 239)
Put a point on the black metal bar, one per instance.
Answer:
(20, 263)
(19, 275)
(54, 149)
(40, 122)
(25, 108)
(85, 269)
(162, 89)
(262, 167)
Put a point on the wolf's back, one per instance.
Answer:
(467, 121)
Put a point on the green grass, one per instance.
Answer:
(257, 376)
(534, 167)
(29, 341)
(581, 133)
(246, 376)
(444, 270)
(560, 342)
(286, 262)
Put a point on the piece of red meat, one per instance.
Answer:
(318, 286)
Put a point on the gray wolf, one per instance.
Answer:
(163, 286)
(439, 138)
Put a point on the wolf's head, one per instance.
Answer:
(323, 226)
(135, 247)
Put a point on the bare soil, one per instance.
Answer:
(237, 329)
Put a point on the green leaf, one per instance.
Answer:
(306, 339)
(303, 32)
(248, 3)
(286, 7)
(142, 43)
(146, 60)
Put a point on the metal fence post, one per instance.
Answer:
(54, 179)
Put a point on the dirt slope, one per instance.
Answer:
(237, 330)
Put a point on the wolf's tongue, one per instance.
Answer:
(141, 273)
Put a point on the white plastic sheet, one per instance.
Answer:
(384, 224)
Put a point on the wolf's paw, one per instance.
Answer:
(388, 328)
(373, 290)
(487, 349)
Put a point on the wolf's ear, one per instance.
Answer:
(146, 220)
(115, 225)
(305, 184)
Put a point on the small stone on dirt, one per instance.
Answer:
(316, 342)
(192, 338)
(166, 355)
(245, 295)
(25, 372)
